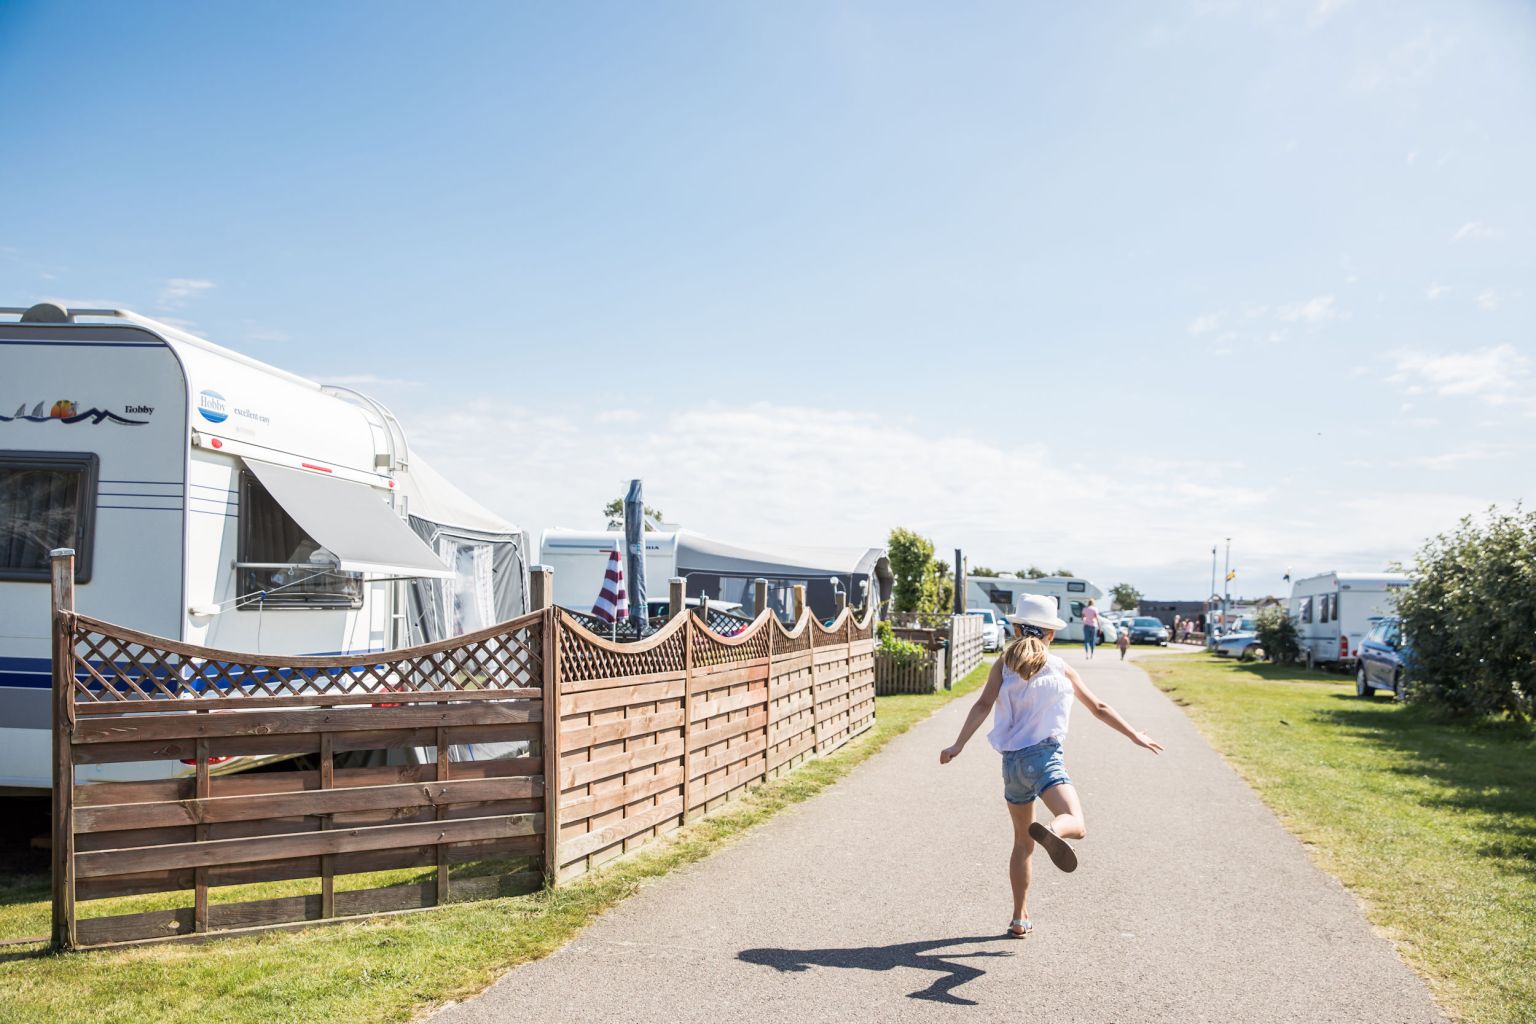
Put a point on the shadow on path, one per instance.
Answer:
(885, 958)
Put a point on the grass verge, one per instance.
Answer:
(1432, 823)
(389, 968)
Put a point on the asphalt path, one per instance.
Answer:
(885, 899)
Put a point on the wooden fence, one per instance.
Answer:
(495, 796)
(952, 651)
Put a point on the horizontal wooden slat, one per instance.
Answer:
(620, 696)
(299, 743)
(307, 802)
(253, 702)
(236, 851)
(591, 842)
(580, 806)
(189, 725)
(580, 773)
(571, 686)
(576, 738)
(170, 880)
(756, 697)
(716, 676)
(727, 756)
(705, 738)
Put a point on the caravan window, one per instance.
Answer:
(47, 501)
(274, 553)
(1306, 609)
(1323, 607)
(1077, 587)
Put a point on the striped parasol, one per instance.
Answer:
(612, 604)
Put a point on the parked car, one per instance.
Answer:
(1241, 644)
(1147, 630)
(993, 632)
(1384, 654)
(1109, 630)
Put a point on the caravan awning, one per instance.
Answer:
(351, 521)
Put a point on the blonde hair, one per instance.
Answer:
(1025, 655)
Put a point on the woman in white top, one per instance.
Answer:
(1032, 691)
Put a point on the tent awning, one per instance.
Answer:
(351, 521)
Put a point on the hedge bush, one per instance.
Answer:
(1278, 637)
(1470, 618)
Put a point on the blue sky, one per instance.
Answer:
(1091, 286)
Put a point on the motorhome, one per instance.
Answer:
(719, 571)
(213, 499)
(1070, 593)
(1334, 610)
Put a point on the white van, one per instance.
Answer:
(1000, 593)
(216, 500)
(1334, 610)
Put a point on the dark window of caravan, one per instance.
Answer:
(274, 557)
(47, 501)
(1306, 609)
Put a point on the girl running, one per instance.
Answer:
(1032, 690)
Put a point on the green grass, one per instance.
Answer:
(1432, 823)
(388, 968)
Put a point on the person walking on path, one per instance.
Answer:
(1090, 628)
(1123, 641)
(1032, 691)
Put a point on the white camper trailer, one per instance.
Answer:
(216, 500)
(1001, 592)
(1334, 610)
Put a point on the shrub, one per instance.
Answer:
(901, 650)
(1470, 618)
(1277, 635)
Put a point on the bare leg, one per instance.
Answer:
(1018, 860)
(1063, 802)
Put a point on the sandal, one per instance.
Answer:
(1023, 926)
(1062, 855)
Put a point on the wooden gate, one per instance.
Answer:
(122, 697)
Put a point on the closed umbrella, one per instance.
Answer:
(612, 603)
(634, 543)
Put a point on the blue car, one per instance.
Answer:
(1384, 655)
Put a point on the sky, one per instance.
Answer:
(1090, 286)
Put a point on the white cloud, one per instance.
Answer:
(178, 290)
(1323, 10)
(1435, 291)
(1452, 459)
(1499, 374)
(1475, 231)
(1205, 323)
(769, 474)
(1487, 300)
(1314, 310)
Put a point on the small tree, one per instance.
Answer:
(1065, 572)
(1470, 618)
(939, 589)
(982, 570)
(1277, 635)
(910, 555)
(1034, 572)
(1126, 597)
(614, 511)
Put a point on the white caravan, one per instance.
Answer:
(580, 559)
(1334, 610)
(1071, 594)
(216, 500)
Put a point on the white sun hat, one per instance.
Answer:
(1036, 610)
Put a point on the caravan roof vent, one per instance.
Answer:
(47, 313)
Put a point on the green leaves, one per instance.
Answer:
(1126, 597)
(1470, 618)
(1277, 635)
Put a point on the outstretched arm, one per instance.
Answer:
(1108, 715)
(978, 713)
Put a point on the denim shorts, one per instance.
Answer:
(1031, 771)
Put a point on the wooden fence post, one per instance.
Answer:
(810, 635)
(541, 587)
(63, 594)
(689, 629)
(550, 651)
(949, 651)
(677, 597)
(799, 604)
(759, 596)
(841, 600)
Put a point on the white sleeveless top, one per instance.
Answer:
(1031, 710)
